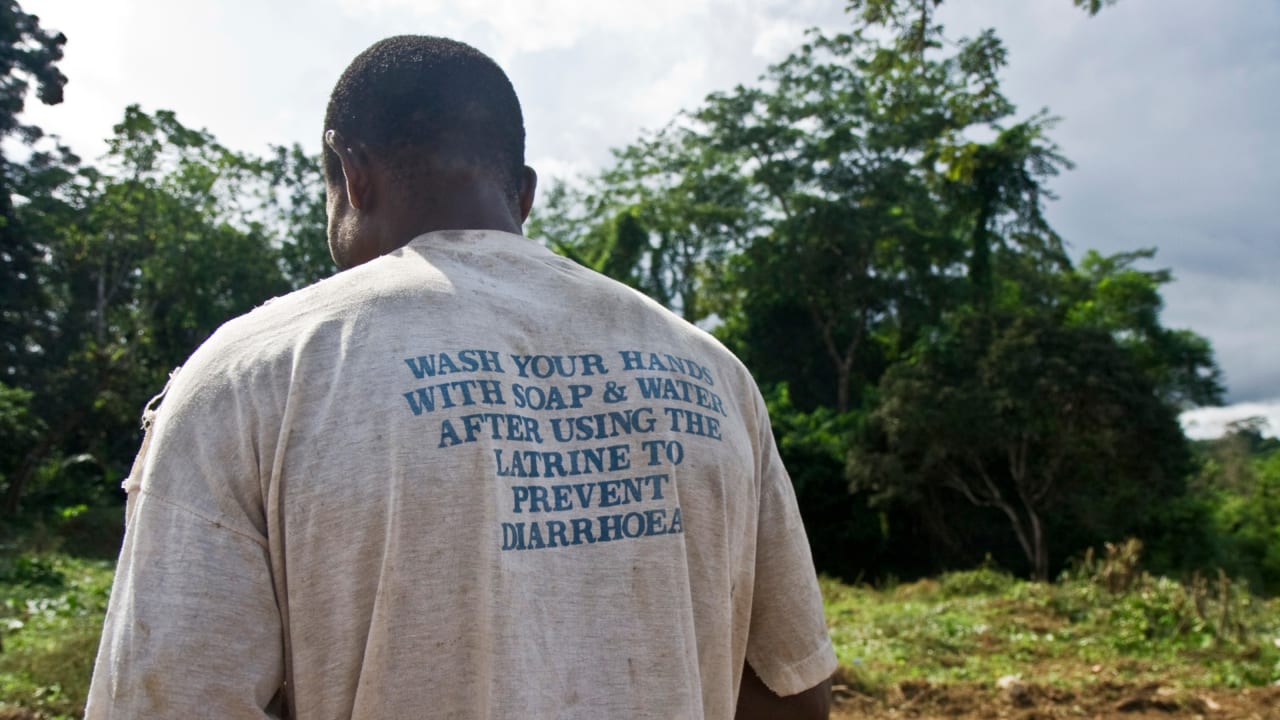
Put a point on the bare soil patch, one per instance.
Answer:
(1029, 701)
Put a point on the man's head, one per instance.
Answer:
(421, 133)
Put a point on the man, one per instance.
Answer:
(463, 478)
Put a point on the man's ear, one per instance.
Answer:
(355, 169)
(528, 186)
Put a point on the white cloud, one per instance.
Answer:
(1209, 423)
(551, 169)
(662, 98)
(775, 38)
(522, 26)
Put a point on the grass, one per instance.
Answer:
(1104, 622)
(981, 625)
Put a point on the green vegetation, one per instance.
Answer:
(1238, 488)
(864, 227)
(1103, 621)
(50, 621)
(110, 276)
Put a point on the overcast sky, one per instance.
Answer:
(1169, 107)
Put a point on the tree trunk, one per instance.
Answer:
(1040, 563)
(988, 495)
(842, 361)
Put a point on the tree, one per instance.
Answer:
(617, 248)
(145, 260)
(1093, 7)
(872, 213)
(28, 56)
(913, 21)
(1055, 404)
(1239, 483)
(908, 17)
(851, 173)
(18, 428)
(662, 219)
(298, 199)
(1125, 301)
(876, 197)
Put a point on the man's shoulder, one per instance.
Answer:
(273, 328)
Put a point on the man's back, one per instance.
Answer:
(468, 479)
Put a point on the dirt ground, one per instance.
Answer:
(1027, 701)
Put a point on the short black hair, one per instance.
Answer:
(411, 97)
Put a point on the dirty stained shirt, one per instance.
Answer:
(467, 479)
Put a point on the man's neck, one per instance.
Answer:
(440, 206)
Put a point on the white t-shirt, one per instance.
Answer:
(467, 479)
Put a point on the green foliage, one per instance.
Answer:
(146, 255)
(298, 198)
(1093, 7)
(31, 571)
(112, 275)
(18, 428)
(50, 622)
(845, 534)
(911, 18)
(662, 220)
(986, 580)
(1238, 490)
(850, 173)
(1015, 410)
(842, 149)
(1117, 297)
(866, 225)
(1215, 618)
(144, 262)
(28, 56)
(619, 249)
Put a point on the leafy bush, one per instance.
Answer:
(30, 571)
(982, 581)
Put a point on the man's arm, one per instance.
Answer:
(757, 702)
(193, 628)
(789, 658)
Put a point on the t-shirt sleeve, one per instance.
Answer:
(788, 644)
(193, 628)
